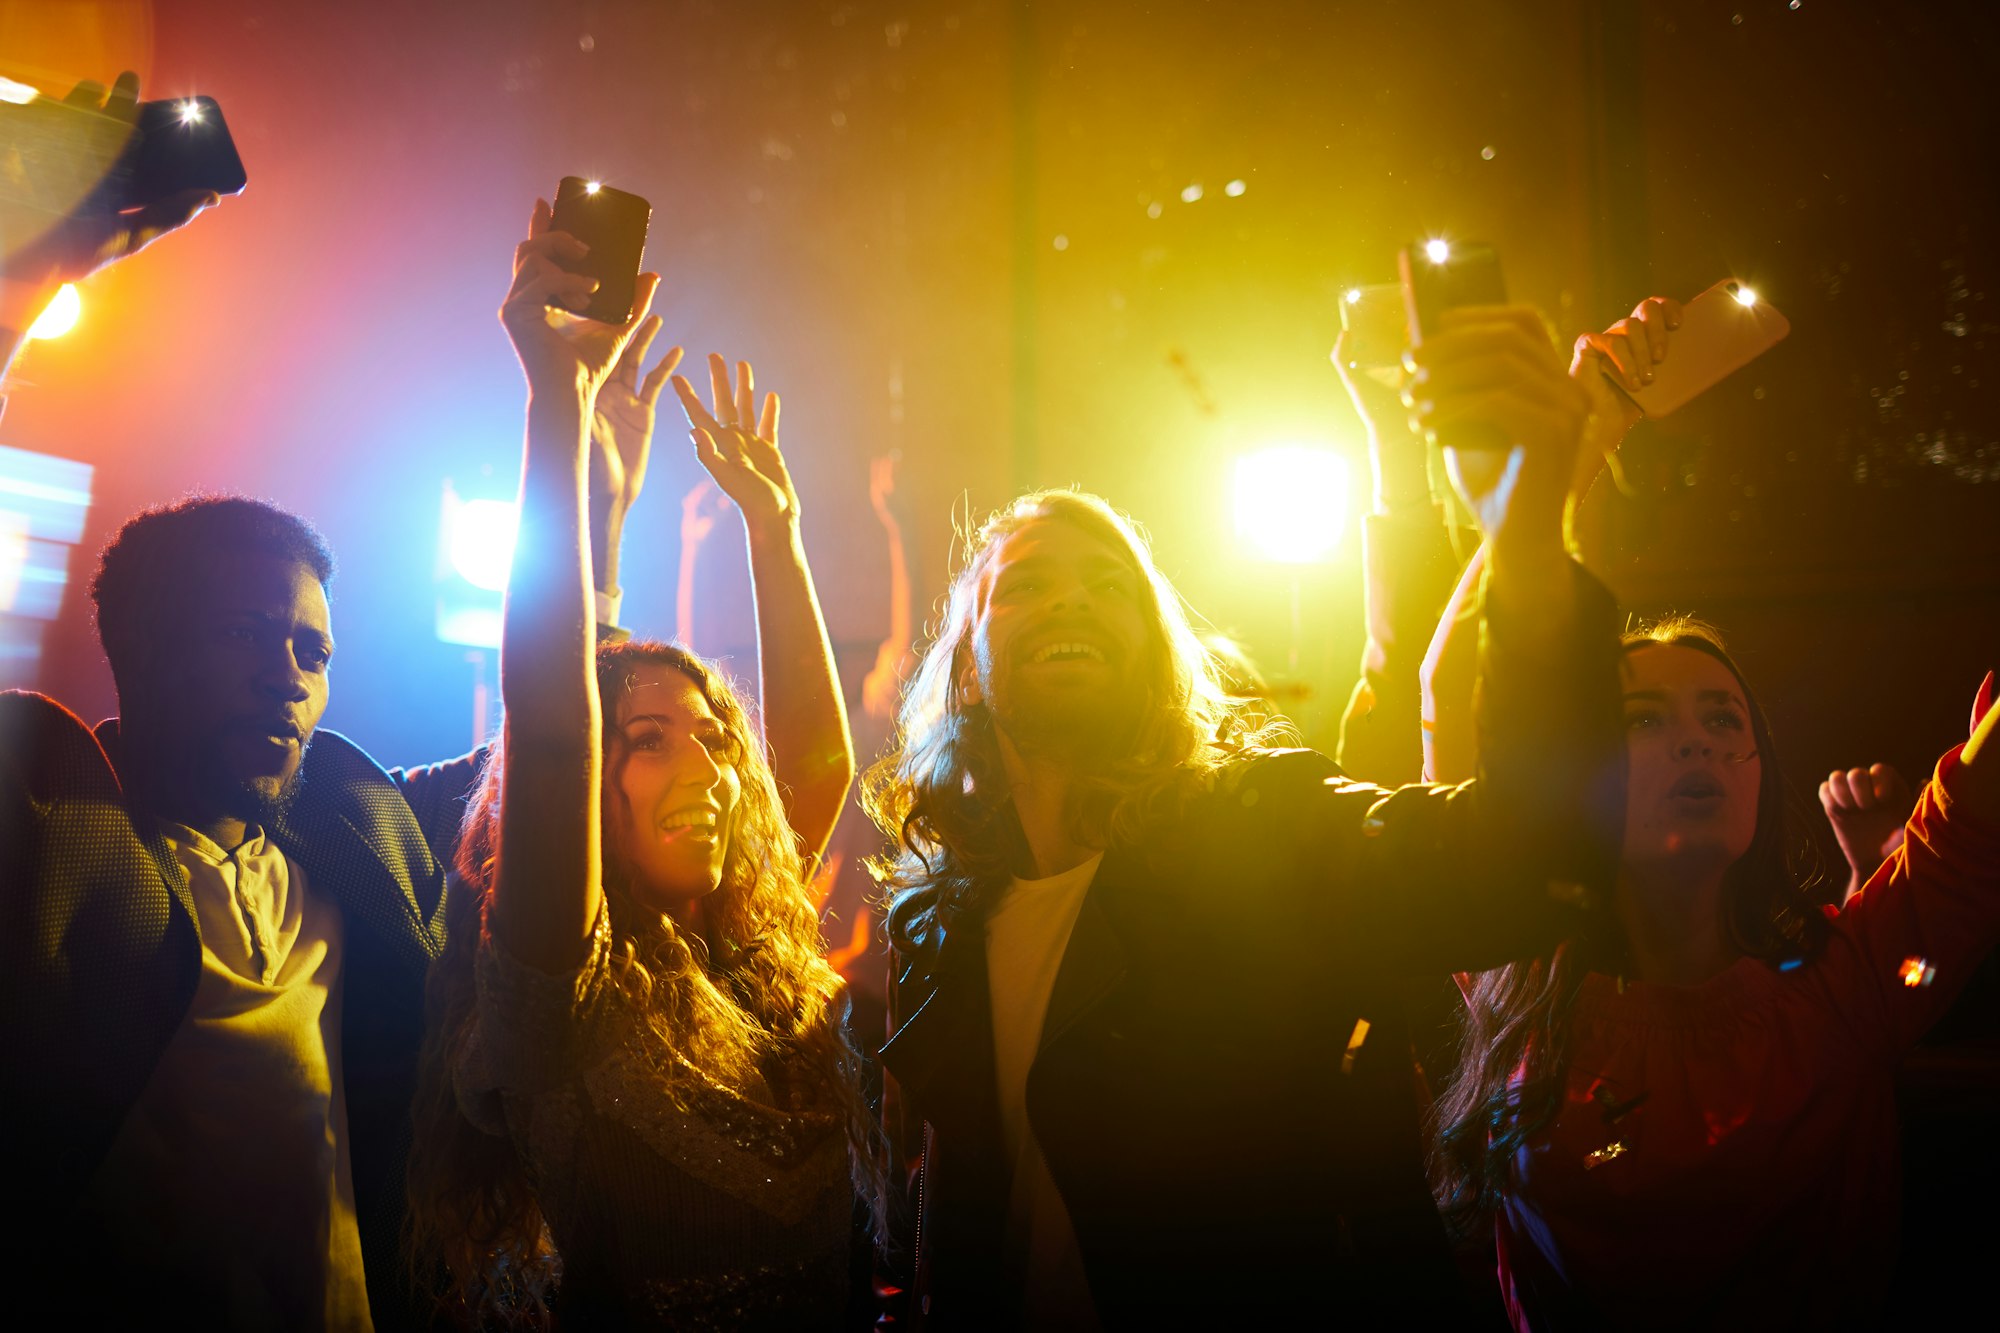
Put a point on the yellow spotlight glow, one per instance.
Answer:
(1354, 296)
(1744, 296)
(592, 187)
(1235, 189)
(190, 112)
(18, 94)
(1437, 251)
(1191, 194)
(60, 316)
(1291, 502)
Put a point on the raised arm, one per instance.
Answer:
(805, 722)
(1475, 876)
(1625, 352)
(548, 889)
(1407, 565)
(1905, 945)
(882, 687)
(37, 257)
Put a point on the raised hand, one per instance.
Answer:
(882, 487)
(700, 507)
(739, 445)
(95, 126)
(622, 425)
(1497, 367)
(1395, 451)
(1625, 353)
(1978, 786)
(559, 351)
(1867, 808)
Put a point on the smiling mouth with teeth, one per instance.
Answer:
(1067, 652)
(699, 821)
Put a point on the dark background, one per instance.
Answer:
(865, 199)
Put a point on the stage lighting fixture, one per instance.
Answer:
(482, 543)
(1437, 251)
(60, 316)
(475, 549)
(1291, 502)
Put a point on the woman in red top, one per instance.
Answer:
(1690, 1123)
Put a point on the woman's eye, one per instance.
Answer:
(1728, 721)
(1636, 721)
(1116, 587)
(646, 740)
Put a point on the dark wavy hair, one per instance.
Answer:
(149, 564)
(939, 793)
(1514, 1058)
(472, 1209)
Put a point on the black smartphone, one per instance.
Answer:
(178, 145)
(1444, 275)
(613, 224)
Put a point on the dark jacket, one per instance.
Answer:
(1227, 1155)
(100, 957)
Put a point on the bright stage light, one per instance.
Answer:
(1744, 296)
(1437, 251)
(60, 316)
(17, 94)
(1291, 502)
(482, 542)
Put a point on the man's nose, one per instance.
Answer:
(283, 678)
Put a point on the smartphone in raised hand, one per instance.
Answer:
(1372, 317)
(179, 145)
(613, 224)
(1721, 331)
(1440, 276)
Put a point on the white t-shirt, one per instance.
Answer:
(1027, 933)
(232, 1166)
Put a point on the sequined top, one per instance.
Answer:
(1725, 1157)
(707, 1207)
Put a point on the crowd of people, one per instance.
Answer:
(1530, 1010)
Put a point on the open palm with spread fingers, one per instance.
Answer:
(621, 428)
(738, 444)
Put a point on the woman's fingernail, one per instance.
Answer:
(1649, 377)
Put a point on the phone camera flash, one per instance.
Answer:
(1438, 252)
(1744, 296)
(592, 187)
(190, 112)
(1354, 296)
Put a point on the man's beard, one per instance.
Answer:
(1086, 728)
(256, 801)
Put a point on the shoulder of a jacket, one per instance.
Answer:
(1270, 770)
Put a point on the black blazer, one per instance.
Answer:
(1226, 1158)
(100, 957)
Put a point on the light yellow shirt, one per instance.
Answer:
(1027, 934)
(232, 1166)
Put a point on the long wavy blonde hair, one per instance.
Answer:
(472, 1208)
(939, 793)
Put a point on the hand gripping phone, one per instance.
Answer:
(1373, 319)
(180, 145)
(613, 224)
(1440, 276)
(1722, 330)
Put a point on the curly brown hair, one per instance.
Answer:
(472, 1210)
